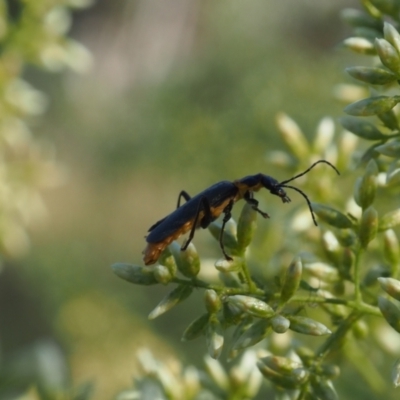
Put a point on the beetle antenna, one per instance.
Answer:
(307, 200)
(308, 170)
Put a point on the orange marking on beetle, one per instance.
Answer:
(153, 251)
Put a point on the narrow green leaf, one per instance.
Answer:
(171, 300)
(390, 220)
(371, 75)
(371, 106)
(388, 55)
(361, 128)
(246, 226)
(331, 216)
(307, 326)
(196, 328)
(390, 311)
(135, 273)
(368, 226)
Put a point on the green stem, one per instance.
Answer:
(245, 270)
(337, 336)
(360, 307)
(196, 283)
(357, 277)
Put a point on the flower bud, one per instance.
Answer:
(162, 274)
(216, 373)
(214, 337)
(324, 135)
(196, 328)
(322, 271)
(279, 324)
(135, 274)
(366, 187)
(212, 300)
(323, 389)
(253, 334)
(289, 380)
(191, 380)
(390, 220)
(392, 35)
(246, 226)
(173, 298)
(330, 371)
(359, 45)
(332, 216)
(229, 237)
(360, 329)
(307, 326)
(390, 311)
(251, 305)
(346, 264)
(371, 106)
(168, 260)
(187, 261)
(390, 149)
(291, 280)
(389, 119)
(371, 75)
(281, 365)
(391, 287)
(346, 237)
(368, 226)
(361, 128)
(357, 18)
(388, 55)
(391, 248)
(293, 136)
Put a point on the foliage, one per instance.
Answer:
(342, 285)
(32, 33)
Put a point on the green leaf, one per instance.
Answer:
(361, 128)
(390, 311)
(371, 106)
(371, 75)
(135, 273)
(368, 226)
(291, 280)
(246, 226)
(171, 300)
(307, 326)
(390, 149)
(388, 55)
(331, 216)
(390, 286)
(196, 328)
(366, 186)
(390, 220)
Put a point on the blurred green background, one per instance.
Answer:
(181, 94)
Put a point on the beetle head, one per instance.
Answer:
(276, 187)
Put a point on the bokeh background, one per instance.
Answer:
(181, 94)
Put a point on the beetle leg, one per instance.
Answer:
(204, 206)
(184, 195)
(227, 217)
(248, 196)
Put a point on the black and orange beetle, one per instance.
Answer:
(199, 211)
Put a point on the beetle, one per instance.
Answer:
(199, 211)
